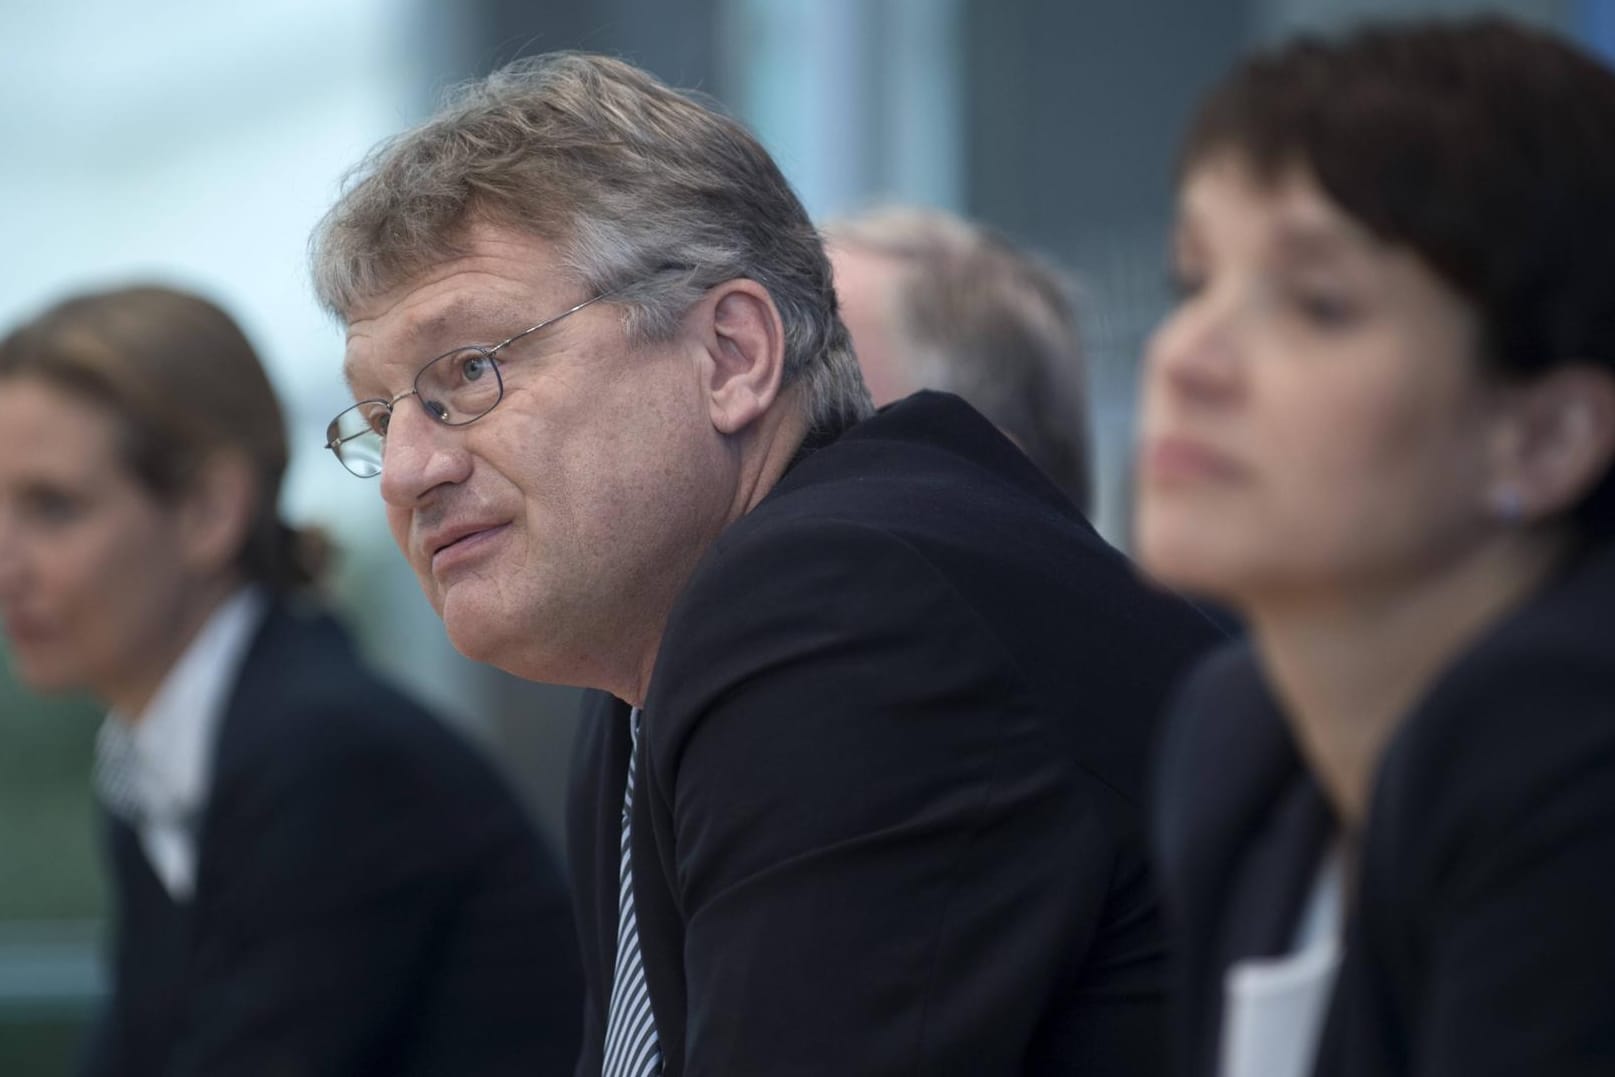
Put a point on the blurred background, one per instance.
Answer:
(197, 144)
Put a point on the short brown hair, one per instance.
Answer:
(1484, 147)
(650, 194)
(182, 380)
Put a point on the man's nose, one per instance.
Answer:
(419, 455)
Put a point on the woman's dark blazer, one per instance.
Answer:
(370, 897)
(1481, 932)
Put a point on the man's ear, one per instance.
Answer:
(216, 512)
(745, 353)
(1559, 441)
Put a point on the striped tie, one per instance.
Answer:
(631, 1047)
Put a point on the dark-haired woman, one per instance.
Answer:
(1380, 423)
(311, 875)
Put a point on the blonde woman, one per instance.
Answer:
(310, 874)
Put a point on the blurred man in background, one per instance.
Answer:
(936, 302)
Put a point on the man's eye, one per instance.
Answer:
(474, 366)
(379, 420)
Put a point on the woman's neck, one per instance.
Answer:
(131, 694)
(1348, 666)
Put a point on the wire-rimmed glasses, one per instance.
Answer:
(455, 388)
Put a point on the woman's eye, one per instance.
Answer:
(1326, 309)
(53, 506)
(1185, 284)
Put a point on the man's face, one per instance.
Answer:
(545, 531)
(866, 289)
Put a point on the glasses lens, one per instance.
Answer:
(460, 386)
(356, 437)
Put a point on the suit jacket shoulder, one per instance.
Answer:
(929, 503)
(1479, 935)
(1525, 710)
(1488, 870)
(370, 896)
(311, 732)
(907, 697)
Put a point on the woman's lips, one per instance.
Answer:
(1180, 460)
(22, 631)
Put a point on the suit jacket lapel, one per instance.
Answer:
(1245, 827)
(1274, 874)
(239, 735)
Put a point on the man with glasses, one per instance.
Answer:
(865, 800)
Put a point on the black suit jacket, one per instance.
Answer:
(370, 898)
(887, 816)
(1481, 935)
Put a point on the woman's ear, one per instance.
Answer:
(1560, 440)
(216, 512)
(745, 353)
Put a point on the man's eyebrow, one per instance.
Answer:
(463, 310)
(440, 326)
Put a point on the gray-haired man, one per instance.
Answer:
(867, 798)
(935, 301)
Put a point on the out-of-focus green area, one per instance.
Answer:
(51, 889)
(48, 857)
(40, 1048)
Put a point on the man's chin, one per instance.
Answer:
(482, 627)
(469, 634)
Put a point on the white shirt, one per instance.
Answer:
(174, 737)
(1273, 1008)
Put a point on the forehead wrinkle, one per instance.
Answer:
(444, 323)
